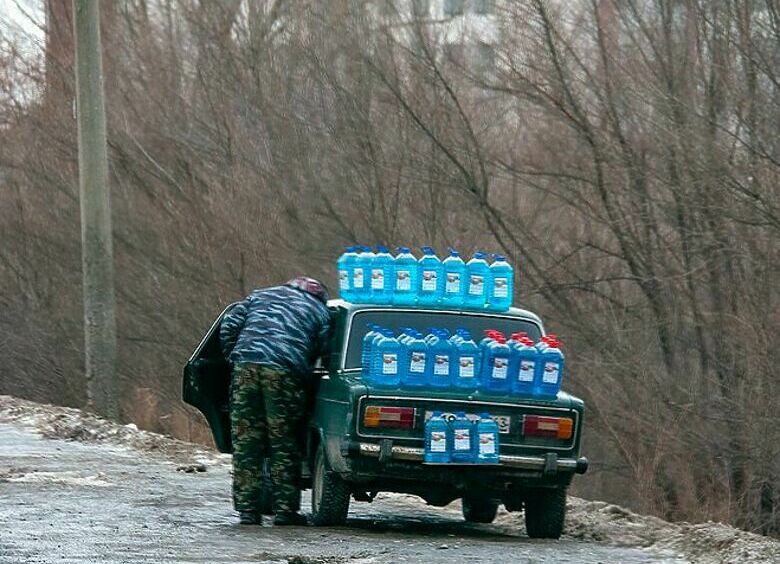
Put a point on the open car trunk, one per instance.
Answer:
(206, 384)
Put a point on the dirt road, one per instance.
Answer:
(68, 502)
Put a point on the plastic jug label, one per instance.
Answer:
(501, 287)
(403, 280)
(417, 363)
(429, 280)
(499, 368)
(442, 365)
(466, 367)
(357, 277)
(389, 363)
(343, 280)
(453, 283)
(477, 285)
(526, 373)
(550, 375)
(438, 441)
(377, 279)
(487, 443)
(462, 440)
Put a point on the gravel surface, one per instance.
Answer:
(78, 489)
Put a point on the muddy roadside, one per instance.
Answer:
(590, 521)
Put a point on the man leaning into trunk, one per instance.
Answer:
(272, 338)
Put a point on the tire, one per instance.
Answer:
(329, 494)
(266, 504)
(476, 510)
(545, 513)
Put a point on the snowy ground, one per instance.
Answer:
(78, 489)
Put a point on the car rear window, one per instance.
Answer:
(477, 323)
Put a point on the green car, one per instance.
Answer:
(361, 440)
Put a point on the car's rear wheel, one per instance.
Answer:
(329, 494)
(479, 510)
(545, 513)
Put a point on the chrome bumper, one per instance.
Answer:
(547, 464)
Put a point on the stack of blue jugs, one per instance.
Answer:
(461, 440)
(438, 361)
(381, 278)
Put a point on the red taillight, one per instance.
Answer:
(550, 427)
(390, 417)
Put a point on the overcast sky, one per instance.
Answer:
(22, 20)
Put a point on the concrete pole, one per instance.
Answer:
(96, 248)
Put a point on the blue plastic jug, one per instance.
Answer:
(407, 277)
(523, 373)
(373, 333)
(436, 440)
(495, 366)
(549, 370)
(462, 445)
(431, 286)
(361, 274)
(415, 372)
(387, 356)
(487, 451)
(468, 358)
(443, 360)
(346, 265)
(478, 282)
(502, 282)
(454, 280)
(382, 276)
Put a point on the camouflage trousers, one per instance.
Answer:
(266, 409)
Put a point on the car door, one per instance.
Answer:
(206, 384)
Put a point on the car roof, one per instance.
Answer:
(351, 308)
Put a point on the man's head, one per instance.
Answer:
(310, 285)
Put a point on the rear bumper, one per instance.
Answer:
(549, 464)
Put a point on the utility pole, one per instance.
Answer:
(96, 247)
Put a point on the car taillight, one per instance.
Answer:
(550, 427)
(392, 417)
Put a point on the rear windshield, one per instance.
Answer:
(476, 323)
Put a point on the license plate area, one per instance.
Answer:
(504, 422)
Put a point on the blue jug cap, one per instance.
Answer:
(437, 413)
(485, 415)
(382, 249)
(403, 249)
(479, 255)
(428, 250)
(461, 414)
(453, 252)
(499, 258)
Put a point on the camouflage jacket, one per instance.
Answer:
(280, 327)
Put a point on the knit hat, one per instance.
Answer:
(310, 285)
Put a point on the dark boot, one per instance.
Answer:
(249, 518)
(290, 519)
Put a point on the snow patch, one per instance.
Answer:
(61, 478)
